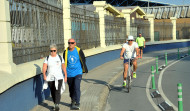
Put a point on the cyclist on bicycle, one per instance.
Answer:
(130, 51)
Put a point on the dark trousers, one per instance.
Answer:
(74, 87)
(56, 94)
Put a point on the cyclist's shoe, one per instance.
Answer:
(134, 75)
(124, 84)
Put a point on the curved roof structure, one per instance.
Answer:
(141, 3)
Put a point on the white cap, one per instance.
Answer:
(130, 37)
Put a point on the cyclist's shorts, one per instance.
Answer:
(141, 47)
(127, 60)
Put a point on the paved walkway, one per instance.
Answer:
(95, 86)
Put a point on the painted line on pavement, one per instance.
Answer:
(148, 93)
(117, 76)
(160, 85)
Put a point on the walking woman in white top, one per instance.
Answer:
(53, 66)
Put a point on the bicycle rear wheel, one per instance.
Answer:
(129, 84)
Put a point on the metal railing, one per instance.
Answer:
(162, 31)
(144, 28)
(35, 24)
(183, 30)
(115, 29)
(140, 26)
(85, 27)
(166, 12)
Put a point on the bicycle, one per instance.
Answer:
(130, 74)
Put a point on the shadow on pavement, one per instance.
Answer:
(139, 86)
(94, 81)
(47, 106)
(118, 89)
(66, 104)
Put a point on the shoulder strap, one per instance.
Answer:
(47, 57)
(60, 58)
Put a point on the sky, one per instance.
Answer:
(175, 2)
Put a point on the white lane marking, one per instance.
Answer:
(160, 85)
(148, 94)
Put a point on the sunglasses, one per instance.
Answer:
(130, 40)
(52, 50)
(71, 42)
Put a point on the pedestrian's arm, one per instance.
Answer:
(137, 51)
(44, 71)
(144, 43)
(65, 72)
(121, 54)
(82, 54)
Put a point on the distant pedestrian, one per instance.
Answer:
(75, 62)
(141, 43)
(55, 66)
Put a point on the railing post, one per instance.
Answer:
(173, 19)
(180, 97)
(178, 55)
(166, 59)
(153, 79)
(66, 22)
(151, 20)
(126, 13)
(156, 65)
(100, 10)
(6, 56)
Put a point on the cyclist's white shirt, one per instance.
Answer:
(130, 50)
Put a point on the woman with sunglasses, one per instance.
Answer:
(54, 64)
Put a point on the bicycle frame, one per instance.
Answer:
(129, 77)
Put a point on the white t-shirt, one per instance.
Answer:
(54, 68)
(130, 50)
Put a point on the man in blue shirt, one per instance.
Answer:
(75, 63)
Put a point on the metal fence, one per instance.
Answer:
(162, 31)
(183, 30)
(143, 27)
(133, 30)
(115, 29)
(35, 24)
(140, 26)
(85, 27)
